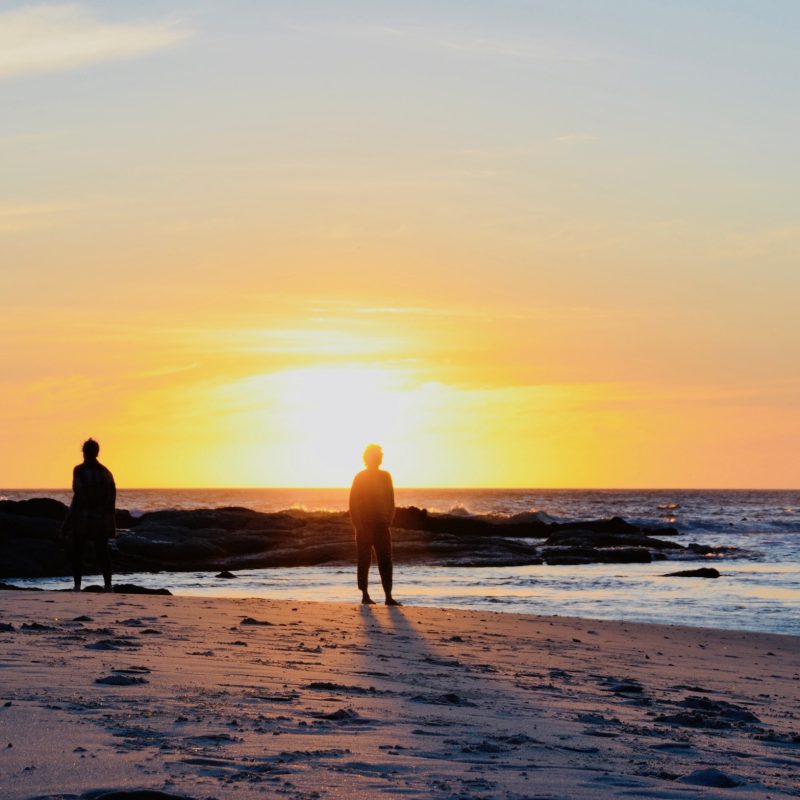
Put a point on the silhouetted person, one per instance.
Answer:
(372, 511)
(91, 514)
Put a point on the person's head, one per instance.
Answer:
(373, 456)
(90, 449)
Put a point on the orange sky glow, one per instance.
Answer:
(517, 250)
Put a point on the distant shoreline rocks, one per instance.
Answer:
(223, 540)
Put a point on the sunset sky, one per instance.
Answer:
(534, 244)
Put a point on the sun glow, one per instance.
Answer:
(311, 424)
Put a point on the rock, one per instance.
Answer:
(225, 574)
(418, 519)
(590, 538)
(39, 507)
(708, 550)
(703, 572)
(252, 621)
(223, 540)
(129, 588)
(123, 519)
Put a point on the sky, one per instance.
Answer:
(519, 244)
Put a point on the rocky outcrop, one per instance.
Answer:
(703, 572)
(527, 526)
(228, 539)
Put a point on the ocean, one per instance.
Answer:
(759, 588)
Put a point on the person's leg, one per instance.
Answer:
(103, 559)
(76, 558)
(383, 551)
(364, 552)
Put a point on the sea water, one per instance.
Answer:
(759, 588)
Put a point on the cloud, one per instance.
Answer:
(34, 215)
(58, 37)
(575, 137)
(543, 49)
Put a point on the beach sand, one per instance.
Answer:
(219, 698)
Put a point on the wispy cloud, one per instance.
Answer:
(33, 215)
(57, 37)
(531, 149)
(575, 137)
(544, 49)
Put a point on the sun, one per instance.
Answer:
(309, 426)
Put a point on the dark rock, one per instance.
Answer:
(6, 627)
(708, 550)
(225, 574)
(129, 588)
(590, 538)
(419, 519)
(226, 539)
(124, 520)
(40, 507)
(252, 621)
(703, 572)
(229, 519)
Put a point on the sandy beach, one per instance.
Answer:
(202, 698)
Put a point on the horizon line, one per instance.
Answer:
(427, 488)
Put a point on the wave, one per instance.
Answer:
(500, 518)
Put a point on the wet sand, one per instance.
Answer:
(209, 697)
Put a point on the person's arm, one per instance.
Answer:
(112, 493)
(390, 507)
(355, 504)
(112, 507)
(69, 521)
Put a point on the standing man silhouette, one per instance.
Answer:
(372, 511)
(91, 513)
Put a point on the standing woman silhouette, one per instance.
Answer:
(372, 511)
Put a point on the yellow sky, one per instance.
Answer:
(523, 248)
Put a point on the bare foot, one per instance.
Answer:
(366, 600)
(390, 601)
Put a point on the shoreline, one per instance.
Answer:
(347, 598)
(218, 697)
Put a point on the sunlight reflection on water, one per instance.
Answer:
(742, 599)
